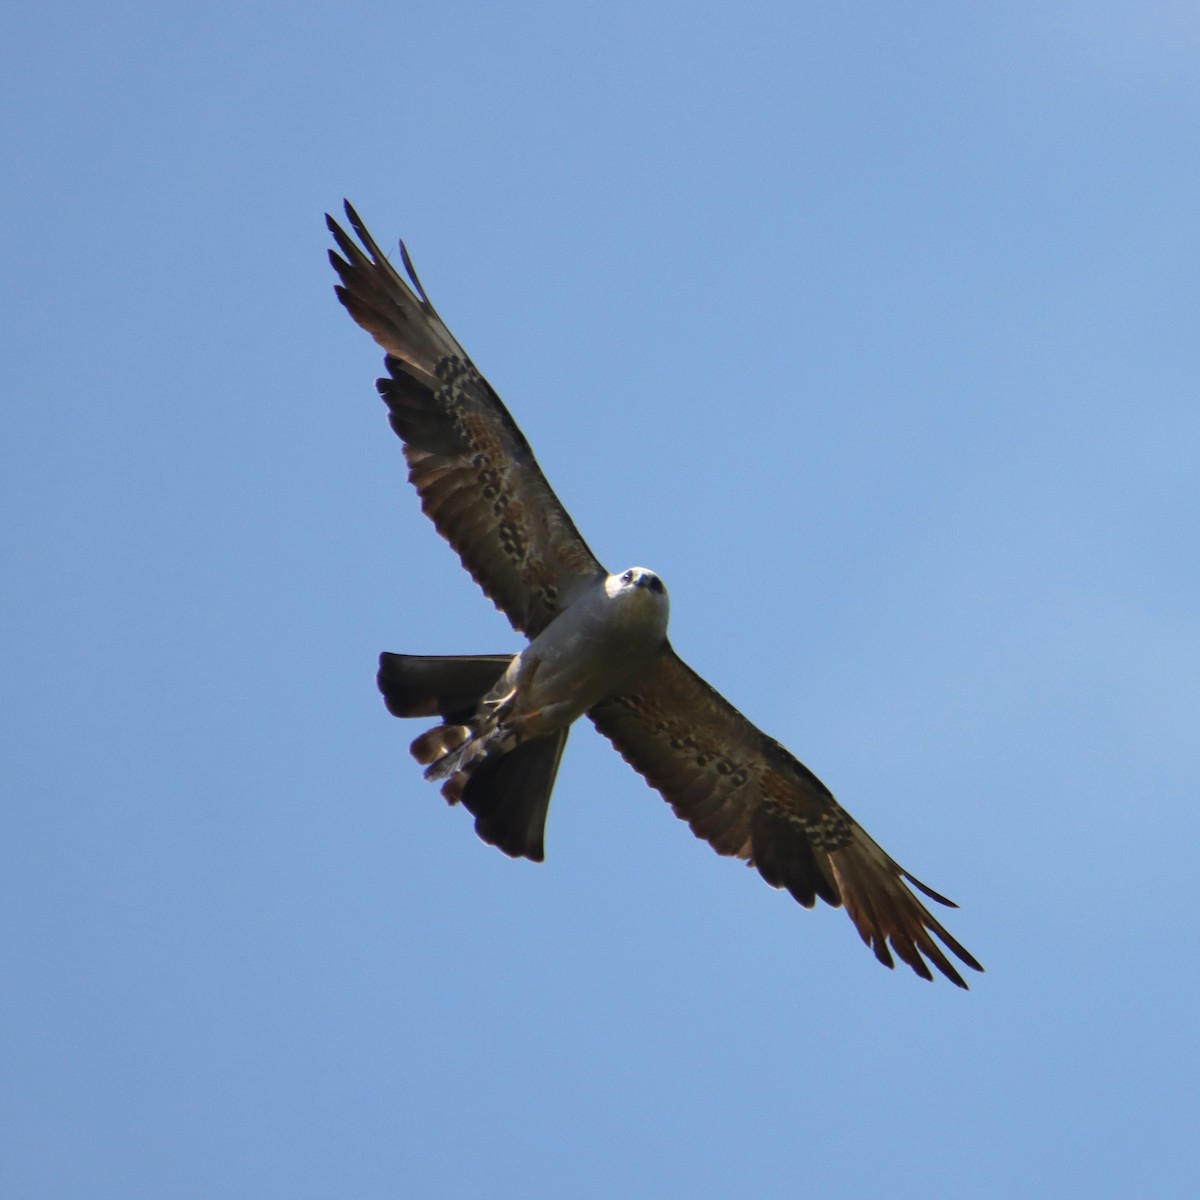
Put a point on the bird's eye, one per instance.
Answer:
(627, 577)
(656, 584)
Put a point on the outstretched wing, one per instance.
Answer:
(475, 473)
(747, 796)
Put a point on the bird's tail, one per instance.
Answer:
(506, 785)
(448, 686)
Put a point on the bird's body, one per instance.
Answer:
(589, 650)
(597, 646)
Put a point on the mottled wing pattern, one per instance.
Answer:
(742, 792)
(475, 473)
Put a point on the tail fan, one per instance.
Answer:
(507, 791)
(430, 685)
(509, 796)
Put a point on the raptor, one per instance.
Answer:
(597, 647)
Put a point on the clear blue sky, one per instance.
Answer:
(872, 329)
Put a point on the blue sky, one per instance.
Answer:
(872, 331)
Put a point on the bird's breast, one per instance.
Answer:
(592, 648)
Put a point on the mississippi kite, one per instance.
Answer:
(597, 646)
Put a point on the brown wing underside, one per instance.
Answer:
(473, 469)
(747, 796)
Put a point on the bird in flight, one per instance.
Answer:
(597, 646)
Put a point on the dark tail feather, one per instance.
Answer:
(510, 796)
(448, 686)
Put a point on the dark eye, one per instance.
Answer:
(627, 577)
(656, 584)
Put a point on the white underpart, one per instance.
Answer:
(586, 653)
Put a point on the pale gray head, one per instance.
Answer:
(640, 596)
(637, 580)
(640, 577)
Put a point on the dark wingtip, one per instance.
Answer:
(356, 222)
(948, 970)
(959, 951)
(971, 962)
(924, 887)
(412, 271)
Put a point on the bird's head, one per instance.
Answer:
(637, 578)
(640, 583)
